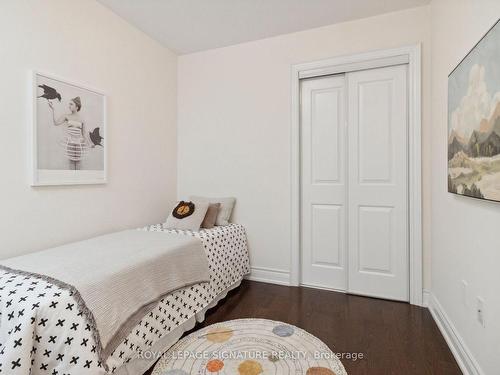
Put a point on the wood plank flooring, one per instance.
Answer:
(395, 338)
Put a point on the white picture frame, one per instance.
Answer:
(68, 132)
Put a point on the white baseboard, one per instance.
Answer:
(269, 275)
(462, 354)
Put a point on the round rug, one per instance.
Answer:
(249, 347)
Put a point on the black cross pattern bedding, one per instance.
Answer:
(43, 331)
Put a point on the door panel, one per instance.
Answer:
(375, 227)
(323, 177)
(374, 126)
(326, 250)
(325, 156)
(378, 216)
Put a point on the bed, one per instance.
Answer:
(42, 330)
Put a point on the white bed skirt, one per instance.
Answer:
(139, 366)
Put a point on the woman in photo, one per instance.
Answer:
(74, 143)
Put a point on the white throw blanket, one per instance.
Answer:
(119, 277)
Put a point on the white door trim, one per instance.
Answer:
(366, 60)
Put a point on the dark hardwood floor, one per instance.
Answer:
(395, 338)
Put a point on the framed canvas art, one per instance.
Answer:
(68, 133)
(474, 121)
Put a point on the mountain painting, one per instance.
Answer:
(474, 121)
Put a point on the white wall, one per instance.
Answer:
(86, 43)
(234, 122)
(465, 243)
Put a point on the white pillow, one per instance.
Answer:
(226, 208)
(187, 215)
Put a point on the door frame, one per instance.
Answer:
(410, 55)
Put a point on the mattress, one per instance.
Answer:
(43, 332)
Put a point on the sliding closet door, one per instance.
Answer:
(323, 182)
(378, 149)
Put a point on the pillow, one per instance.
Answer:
(226, 207)
(187, 215)
(211, 216)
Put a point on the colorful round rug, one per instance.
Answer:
(249, 347)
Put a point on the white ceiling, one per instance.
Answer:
(187, 26)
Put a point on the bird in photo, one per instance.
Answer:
(95, 137)
(49, 93)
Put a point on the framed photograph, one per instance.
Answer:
(68, 133)
(474, 121)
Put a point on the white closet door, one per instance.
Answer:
(378, 149)
(323, 182)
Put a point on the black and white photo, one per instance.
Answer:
(68, 133)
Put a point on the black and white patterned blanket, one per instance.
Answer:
(43, 332)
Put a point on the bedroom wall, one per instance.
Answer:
(234, 123)
(465, 231)
(85, 42)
